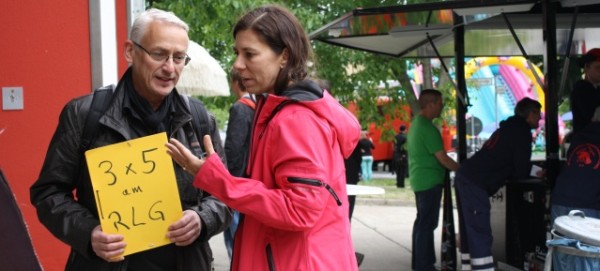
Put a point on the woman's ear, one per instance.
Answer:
(284, 58)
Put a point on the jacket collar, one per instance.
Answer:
(115, 119)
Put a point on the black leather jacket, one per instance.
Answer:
(73, 219)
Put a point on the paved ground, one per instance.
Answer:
(381, 232)
(381, 229)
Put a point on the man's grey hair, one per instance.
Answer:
(138, 29)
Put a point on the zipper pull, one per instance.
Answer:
(332, 192)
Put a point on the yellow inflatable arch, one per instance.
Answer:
(518, 62)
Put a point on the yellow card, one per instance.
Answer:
(136, 190)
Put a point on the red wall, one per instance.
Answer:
(44, 49)
(384, 150)
(122, 34)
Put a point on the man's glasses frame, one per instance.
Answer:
(185, 59)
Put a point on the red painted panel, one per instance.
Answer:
(45, 50)
(122, 35)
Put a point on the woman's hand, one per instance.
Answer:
(184, 157)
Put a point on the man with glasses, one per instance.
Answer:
(162, 56)
(144, 102)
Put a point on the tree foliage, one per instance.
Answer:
(211, 23)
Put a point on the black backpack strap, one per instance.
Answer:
(200, 123)
(100, 101)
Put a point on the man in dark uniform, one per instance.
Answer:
(400, 157)
(578, 186)
(505, 155)
(585, 96)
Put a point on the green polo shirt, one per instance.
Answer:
(424, 140)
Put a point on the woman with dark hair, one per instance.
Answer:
(294, 202)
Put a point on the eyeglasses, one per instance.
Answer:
(162, 56)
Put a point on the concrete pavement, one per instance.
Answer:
(381, 232)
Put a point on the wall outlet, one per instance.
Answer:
(12, 98)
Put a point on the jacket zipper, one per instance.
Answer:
(316, 183)
(274, 113)
(180, 126)
(260, 101)
(191, 136)
(270, 259)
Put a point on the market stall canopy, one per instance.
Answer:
(549, 28)
(403, 30)
(203, 76)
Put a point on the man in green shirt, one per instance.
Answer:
(428, 162)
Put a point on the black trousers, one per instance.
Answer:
(401, 171)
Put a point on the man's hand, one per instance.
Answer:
(109, 247)
(541, 173)
(446, 161)
(185, 230)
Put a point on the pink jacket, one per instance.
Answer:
(295, 203)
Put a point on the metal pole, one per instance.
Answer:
(462, 100)
(439, 56)
(565, 72)
(551, 86)
(523, 52)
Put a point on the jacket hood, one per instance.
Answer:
(309, 94)
(515, 121)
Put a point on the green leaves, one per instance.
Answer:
(354, 75)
